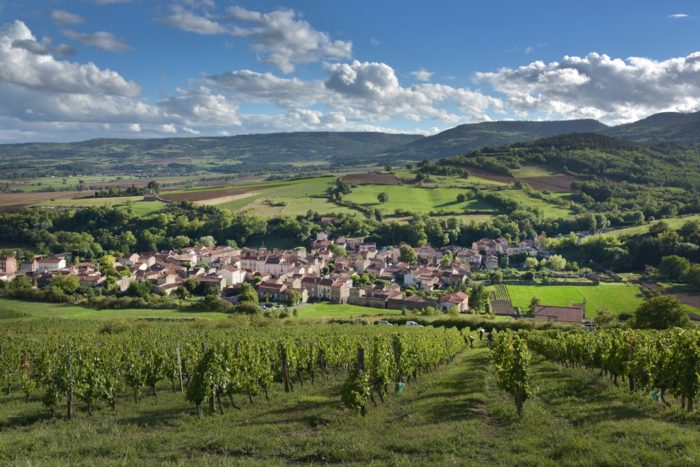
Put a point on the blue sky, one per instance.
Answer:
(80, 69)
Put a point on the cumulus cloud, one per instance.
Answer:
(598, 86)
(284, 39)
(65, 17)
(31, 70)
(372, 90)
(422, 74)
(280, 37)
(100, 39)
(30, 45)
(268, 88)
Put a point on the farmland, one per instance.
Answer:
(674, 223)
(454, 415)
(613, 297)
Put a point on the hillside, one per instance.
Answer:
(673, 127)
(465, 138)
(589, 155)
(221, 153)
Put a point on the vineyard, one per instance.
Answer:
(181, 393)
(501, 293)
(212, 368)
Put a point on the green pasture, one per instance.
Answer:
(613, 297)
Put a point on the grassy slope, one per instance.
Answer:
(673, 222)
(453, 416)
(615, 298)
(329, 310)
(414, 199)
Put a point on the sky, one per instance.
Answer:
(72, 70)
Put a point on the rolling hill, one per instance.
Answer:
(667, 127)
(466, 138)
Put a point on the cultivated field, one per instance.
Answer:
(375, 178)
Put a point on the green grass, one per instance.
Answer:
(37, 310)
(413, 199)
(140, 207)
(453, 416)
(330, 310)
(674, 222)
(548, 209)
(527, 171)
(612, 297)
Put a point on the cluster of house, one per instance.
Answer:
(296, 275)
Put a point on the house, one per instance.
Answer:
(561, 314)
(212, 282)
(457, 300)
(51, 264)
(271, 291)
(8, 265)
(416, 302)
(233, 275)
(491, 262)
(29, 266)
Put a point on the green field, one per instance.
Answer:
(612, 297)
(527, 171)
(331, 310)
(414, 199)
(673, 222)
(140, 207)
(548, 209)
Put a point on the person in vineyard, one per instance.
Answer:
(481, 334)
(471, 341)
(489, 337)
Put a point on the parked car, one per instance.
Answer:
(383, 322)
(413, 324)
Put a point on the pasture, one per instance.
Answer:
(414, 199)
(612, 297)
(674, 223)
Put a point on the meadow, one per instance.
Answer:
(612, 297)
(674, 223)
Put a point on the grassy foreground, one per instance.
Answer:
(455, 415)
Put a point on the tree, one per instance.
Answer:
(661, 312)
(21, 283)
(248, 294)
(382, 197)
(531, 262)
(478, 298)
(182, 293)
(446, 259)
(556, 263)
(294, 298)
(207, 241)
(534, 303)
(674, 267)
(387, 168)
(139, 289)
(66, 284)
(461, 198)
(338, 251)
(407, 254)
(153, 187)
(692, 277)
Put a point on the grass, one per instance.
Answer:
(527, 171)
(548, 209)
(455, 415)
(414, 199)
(37, 310)
(613, 297)
(140, 207)
(674, 222)
(330, 310)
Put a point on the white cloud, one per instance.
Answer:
(422, 74)
(135, 127)
(371, 90)
(31, 70)
(280, 37)
(678, 16)
(192, 22)
(30, 45)
(200, 106)
(101, 39)
(598, 86)
(283, 39)
(168, 128)
(65, 17)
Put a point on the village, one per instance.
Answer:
(343, 270)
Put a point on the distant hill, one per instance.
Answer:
(465, 138)
(259, 152)
(667, 127)
(590, 155)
